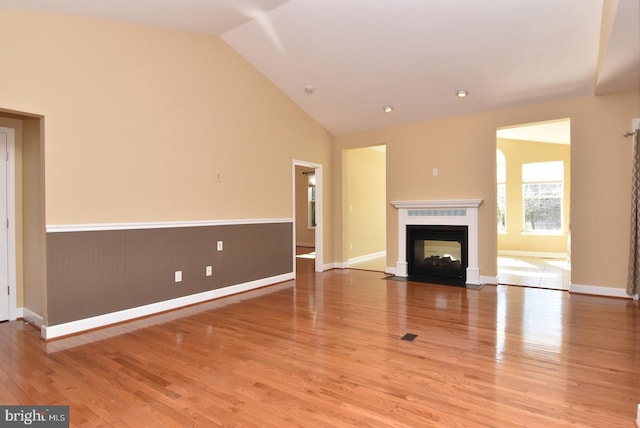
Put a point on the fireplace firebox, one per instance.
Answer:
(437, 254)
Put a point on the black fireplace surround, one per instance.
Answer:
(437, 254)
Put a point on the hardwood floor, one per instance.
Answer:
(326, 350)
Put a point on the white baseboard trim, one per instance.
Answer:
(16, 313)
(336, 265)
(73, 327)
(366, 257)
(543, 254)
(31, 317)
(599, 291)
(488, 280)
(327, 266)
(340, 265)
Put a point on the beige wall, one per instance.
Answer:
(364, 207)
(518, 153)
(139, 123)
(305, 235)
(463, 149)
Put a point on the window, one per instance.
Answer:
(311, 199)
(501, 172)
(542, 192)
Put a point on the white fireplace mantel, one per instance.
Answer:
(454, 212)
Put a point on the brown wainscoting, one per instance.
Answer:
(93, 273)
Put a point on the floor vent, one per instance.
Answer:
(409, 336)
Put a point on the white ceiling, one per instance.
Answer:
(360, 55)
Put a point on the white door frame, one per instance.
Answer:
(319, 266)
(11, 215)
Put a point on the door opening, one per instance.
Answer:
(365, 207)
(533, 191)
(307, 211)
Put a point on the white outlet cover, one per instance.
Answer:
(208, 271)
(178, 276)
(219, 246)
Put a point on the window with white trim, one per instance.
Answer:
(542, 194)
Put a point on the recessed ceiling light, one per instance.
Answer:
(387, 109)
(461, 93)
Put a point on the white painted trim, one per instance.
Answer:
(319, 244)
(366, 257)
(488, 280)
(31, 317)
(73, 327)
(541, 254)
(60, 228)
(330, 266)
(447, 203)
(599, 291)
(12, 262)
(319, 236)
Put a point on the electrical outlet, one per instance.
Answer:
(208, 271)
(178, 276)
(219, 246)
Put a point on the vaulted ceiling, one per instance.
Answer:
(342, 61)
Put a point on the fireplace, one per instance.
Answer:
(453, 212)
(437, 253)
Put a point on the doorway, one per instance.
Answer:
(365, 207)
(307, 212)
(533, 188)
